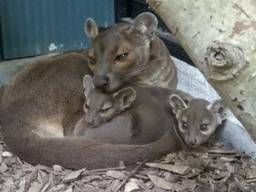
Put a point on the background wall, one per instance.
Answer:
(36, 27)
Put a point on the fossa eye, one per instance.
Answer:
(86, 106)
(184, 125)
(203, 127)
(122, 56)
(92, 60)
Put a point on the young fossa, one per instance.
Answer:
(198, 120)
(42, 99)
(124, 117)
(129, 52)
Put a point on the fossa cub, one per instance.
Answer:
(124, 117)
(197, 120)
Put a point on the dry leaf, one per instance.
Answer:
(69, 190)
(251, 174)
(22, 186)
(188, 184)
(180, 169)
(161, 183)
(113, 185)
(170, 177)
(3, 167)
(72, 176)
(7, 154)
(116, 174)
(222, 151)
(35, 187)
(131, 185)
(57, 168)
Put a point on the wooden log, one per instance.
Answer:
(220, 38)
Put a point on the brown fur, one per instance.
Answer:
(130, 52)
(45, 97)
(41, 100)
(198, 120)
(137, 125)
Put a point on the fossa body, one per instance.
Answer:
(198, 120)
(128, 115)
(44, 97)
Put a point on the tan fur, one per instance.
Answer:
(198, 120)
(131, 52)
(48, 94)
(137, 124)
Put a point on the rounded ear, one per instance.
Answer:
(218, 107)
(125, 97)
(177, 103)
(88, 84)
(91, 28)
(146, 24)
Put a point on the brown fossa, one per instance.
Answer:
(39, 102)
(197, 120)
(129, 52)
(127, 116)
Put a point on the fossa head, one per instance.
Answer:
(101, 107)
(198, 119)
(120, 52)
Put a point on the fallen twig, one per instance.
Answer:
(132, 173)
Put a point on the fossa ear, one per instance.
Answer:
(177, 103)
(145, 24)
(218, 107)
(125, 97)
(91, 28)
(88, 84)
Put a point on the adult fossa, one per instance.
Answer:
(129, 52)
(42, 99)
(45, 96)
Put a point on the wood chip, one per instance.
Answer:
(222, 151)
(72, 176)
(161, 183)
(57, 168)
(113, 185)
(3, 167)
(132, 185)
(251, 174)
(179, 169)
(69, 190)
(22, 186)
(35, 186)
(116, 174)
(7, 154)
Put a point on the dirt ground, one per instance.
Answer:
(216, 169)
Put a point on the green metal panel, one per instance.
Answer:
(35, 27)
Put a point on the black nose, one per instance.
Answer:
(193, 142)
(101, 81)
